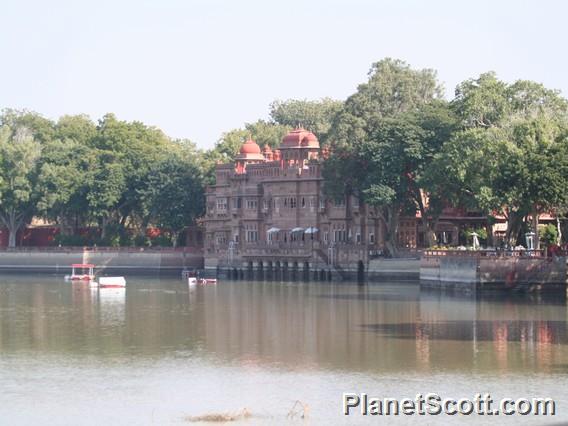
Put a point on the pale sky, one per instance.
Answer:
(197, 68)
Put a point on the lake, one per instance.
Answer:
(161, 354)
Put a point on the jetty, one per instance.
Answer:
(493, 270)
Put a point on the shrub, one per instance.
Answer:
(548, 234)
(70, 240)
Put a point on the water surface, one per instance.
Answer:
(158, 352)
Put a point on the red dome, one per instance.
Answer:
(310, 140)
(250, 147)
(294, 138)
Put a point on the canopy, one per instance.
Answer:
(311, 230)
(272, 230)
(297, 230)
(82, 265)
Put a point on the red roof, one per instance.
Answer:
(310, 140)
(250, 147)
(294, 138)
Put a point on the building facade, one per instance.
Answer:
(269, 206)
(268, 209)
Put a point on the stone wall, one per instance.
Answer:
(490, 271)
(131, 261)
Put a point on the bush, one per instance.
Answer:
(162, 241)
(548, 234)
(142, 241)
(481, 232)
(70, 240)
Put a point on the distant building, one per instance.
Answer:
(269, 206)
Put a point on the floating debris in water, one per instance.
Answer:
(220, 417)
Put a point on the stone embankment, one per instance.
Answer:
(124, 260)
(493, 271)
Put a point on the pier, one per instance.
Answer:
(493, 270)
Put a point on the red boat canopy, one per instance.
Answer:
(82, 265)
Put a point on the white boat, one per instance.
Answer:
(112, 282)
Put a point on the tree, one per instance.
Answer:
(19, 159)
(384, 135)
(67, 162)
(262, 132)
(522, 127)
(126, 151)
(174, 196)
(315, 116)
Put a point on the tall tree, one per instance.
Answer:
(380, 142)
(174, 196)
(19, 167)
(522, 126)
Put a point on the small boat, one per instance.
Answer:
(81, 272)
(193, 281)
(112, 282)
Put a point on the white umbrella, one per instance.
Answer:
(297, 230)
(272, 230)
(311, 230)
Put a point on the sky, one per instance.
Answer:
(198, 68)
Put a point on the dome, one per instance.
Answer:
(294, 138)
(310, 140)
(250, 147)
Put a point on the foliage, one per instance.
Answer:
(481, 234)
(315, 116)
(549, 234)
(20, 154)
(383, 138)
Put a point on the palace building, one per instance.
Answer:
(268, 208)
(270, 205)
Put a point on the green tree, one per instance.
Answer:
(518, 133)
(382, 139)
(65, 173)
(126, 150)
(174, 196)
(19, 167)
(315, 116)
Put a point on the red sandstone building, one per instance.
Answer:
(268, 206)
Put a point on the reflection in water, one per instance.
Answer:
(158, 352)
(345, 327)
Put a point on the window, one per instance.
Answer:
(312, 201)
(303, 202)
(322, 204)
(326, 236)
(339, 203)
(252, 204)
(339, 233)
(358, 238)
(221, 204)
(372, 238)
(251, 233)
(292, 203)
